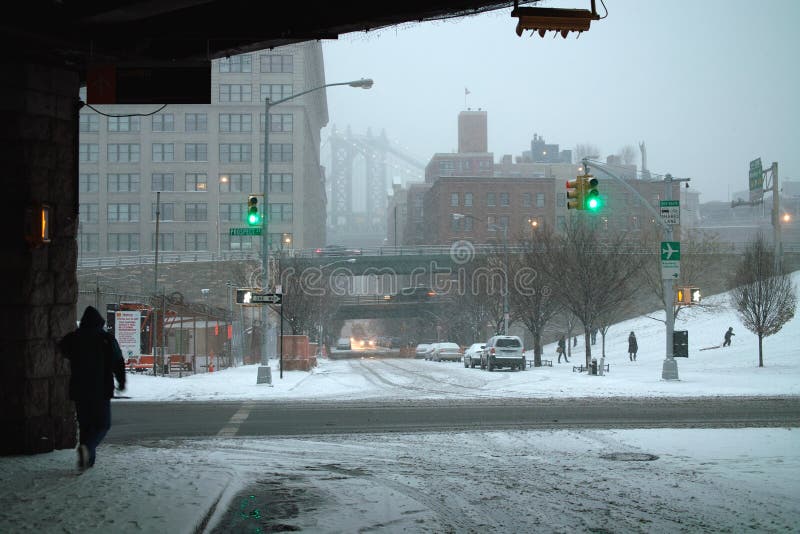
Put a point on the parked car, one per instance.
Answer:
(343, 343)
(446, 351)
(421, 349)
(429, 351)
(472, 356)
(503, 351)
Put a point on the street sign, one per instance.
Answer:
(671, 211)
(245, 231)
(756, 180)
(670, 260)
(265, 298)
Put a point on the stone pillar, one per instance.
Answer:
(39, 148)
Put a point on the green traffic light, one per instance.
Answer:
(593, 204)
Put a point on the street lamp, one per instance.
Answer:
(222, 180)
(268, 104)
(504, 228)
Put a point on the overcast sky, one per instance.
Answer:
(707, 85)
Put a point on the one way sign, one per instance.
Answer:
(265, 298)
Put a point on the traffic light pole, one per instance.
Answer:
(669, 370)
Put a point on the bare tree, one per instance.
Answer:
(594, 274)
(763, 293)
(586, 150)
(627, 154)
(531, 294)
(307, 299)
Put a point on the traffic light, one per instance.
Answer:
(575, 193)
(244, 296)
(253, 216)
(591, 196)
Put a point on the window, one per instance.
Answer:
(235, 93)
(123, 153)
(89, 152)
(280, 213)
(196, 152)
(123, 213)
(166, 242)
(123, 242)
(236, 242)
(196, 211)
(89, 213)
(277, 241)
(123, 124)
(279, 152)
(504, 200)
(123, 183)
(468, 224)
(279, 122)
(236, 64)
(236, 183)
(455, 224)
(89, 243)
(164, 122)
(502, 221)
(196, 181)
(540, 200)
(235, 152)
(468, 200)
(276, 63)
(163, 152)
(281, 183)
(490, 199)
(89, 183)
(231, 212)
(275, 91)
(526, 200)
(90, 122)
(491, 223)
(235, 122)
(447, 168)
(162, 181)
(561, 199)
(196, 122)
(196, 242)
(453, 200)
(166, 211)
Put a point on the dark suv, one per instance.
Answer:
(503, 351)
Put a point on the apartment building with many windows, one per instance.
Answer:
(205, 160)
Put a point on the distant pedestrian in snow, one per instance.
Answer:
(728, 334)
(633, 347)
(562, 349)
(95, 361)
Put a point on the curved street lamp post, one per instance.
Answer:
(268, 104)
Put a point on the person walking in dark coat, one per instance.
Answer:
(728, 334)
(95, 360)
(633, 347)
(562, 349)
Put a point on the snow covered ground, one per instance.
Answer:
(545, 481)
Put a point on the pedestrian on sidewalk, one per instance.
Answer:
(728, 334)
(95, 361)
(633, 347)
(562, 349)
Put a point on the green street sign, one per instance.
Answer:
(245, 231)
(670, 251)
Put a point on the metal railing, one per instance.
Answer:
(409, 251)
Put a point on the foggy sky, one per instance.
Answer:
(708, 85)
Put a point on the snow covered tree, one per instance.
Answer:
(763, 293)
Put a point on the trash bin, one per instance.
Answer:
(593, 367)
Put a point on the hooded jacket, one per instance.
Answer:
(95, 358)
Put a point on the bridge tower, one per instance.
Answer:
(382, 162)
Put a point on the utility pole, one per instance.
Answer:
(669, 370)
(776, 217)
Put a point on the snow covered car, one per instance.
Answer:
(421, 349)
(503, 351)
(472, 356)
(446, 351)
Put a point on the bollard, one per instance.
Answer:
(602, 366)
(593, 367)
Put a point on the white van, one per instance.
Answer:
(343, 343)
